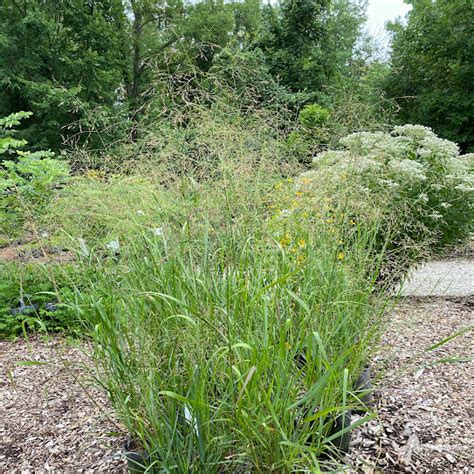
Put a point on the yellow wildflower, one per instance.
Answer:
(340, 256)
(285, 241)
(302, 243)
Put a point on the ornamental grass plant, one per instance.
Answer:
(234, 344)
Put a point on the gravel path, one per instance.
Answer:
(441, 278)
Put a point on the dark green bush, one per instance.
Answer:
(32, 299)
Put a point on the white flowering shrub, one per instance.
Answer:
(420, 184)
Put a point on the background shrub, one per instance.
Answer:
(27, 179)
(313, 116)
(420, 185)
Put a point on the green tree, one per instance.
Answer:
(309, 43)
(59, 59)
(432, 68)
(291, 37)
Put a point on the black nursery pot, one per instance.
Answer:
(364, 385)
(137, 459)
(342, 441)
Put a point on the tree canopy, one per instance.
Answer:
(83, 66)
(432, 68)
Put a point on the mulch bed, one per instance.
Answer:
(50, 423)
(425, 421)
(52, 419)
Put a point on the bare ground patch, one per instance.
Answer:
(24, 253)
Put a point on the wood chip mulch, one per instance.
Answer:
(18, 252)
(51, 418)
(49, 423)
(424, 400)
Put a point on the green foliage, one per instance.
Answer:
(291, 32)
(93, 92)
(60, 60)
(351, 109)
(27, 179)
(29, 299)
(433, 66)
(308, 44)
(86, 70)
(8, 144)
(246, 73)
(300, 144)
(313, 116)
(209, 24)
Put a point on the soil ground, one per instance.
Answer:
(51, 417)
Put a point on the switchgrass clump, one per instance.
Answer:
(234, 344)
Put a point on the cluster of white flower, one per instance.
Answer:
(361, 164)
(434, 148)
(381, 146)
(464, 188)
(408, 170)
(417, 132)
(330, 157)
(418, 167)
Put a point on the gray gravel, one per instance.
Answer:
(447, 278)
